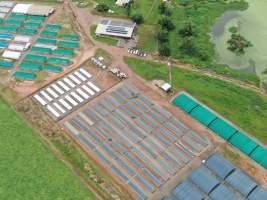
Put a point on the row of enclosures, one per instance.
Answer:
(222, 128)
(217, 179)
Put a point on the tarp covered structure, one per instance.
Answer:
(222, 128)
(203, 115)
(24, 75)
(185, 102)
(243, 142)
(260, 156)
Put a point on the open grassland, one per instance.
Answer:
(246, 108)
(28, 169)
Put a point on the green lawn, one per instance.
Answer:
(247, 109)
(28, 169)
(107, 40)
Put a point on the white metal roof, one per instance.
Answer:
(122, 2)
(19, 47)
(115, 28)
(32, 9)
(8, 4)
(166, 87)
(22, 38)
(11, 54)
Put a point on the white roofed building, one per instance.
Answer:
(32, 9)
(122, 2)
(116, 28)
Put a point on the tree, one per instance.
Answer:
(102, 7)
(138, 18)
(187, 31)
(164, 50)
(163, 36)
(164, 10)
(166, 24)
(188, 47)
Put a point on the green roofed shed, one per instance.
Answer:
(60, 61)
(11, 22)
(51, 68)
(71, 37)
(17, 16)
(260, 156)
(28, 31)
(243, 142)
(6, 64)
(222, 128)
(41, 50)
(45, 33)
(36, 18)
(35, 58)
(24, 75)
(68, 44)
(53, 27)
(63, 52)
(33, 25)
(30, 66)
(184, 102)
(46, 41)
(203, 115)
(9, 29)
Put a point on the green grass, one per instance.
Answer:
(28, 169)
(107, 40)
(246, 108)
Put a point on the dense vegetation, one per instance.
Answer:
(229, 100)
(28, 169)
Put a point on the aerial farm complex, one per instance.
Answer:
(66, 70)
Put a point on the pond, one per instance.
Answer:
(252, 24)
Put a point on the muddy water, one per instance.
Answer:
(252, 24)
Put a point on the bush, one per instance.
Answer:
(163, 36)
(166, 24)
(102, 7)
(138, 18)
(164, 50)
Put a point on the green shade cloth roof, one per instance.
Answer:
(61, 61)
(33, 25)
(184, 102)
(260, 156)
(11, 22)
(71, 37)
(243, 142)
(41, 50)
(203, 115)
(24, 75)
(36, 18)
(30, 66)
(63, 52)
(46, 41)
(222, 128)
(51, 68)
(9, 29)
(35, 58)
(28, 31)
(53, 27)
(48, 34)
(18, 16)
(6, 64)
(68, 44)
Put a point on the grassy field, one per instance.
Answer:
(107, 40)
(28, 169)
(247, 109)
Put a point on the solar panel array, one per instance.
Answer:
(143, 144)
(67, 94)
(217, 179)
